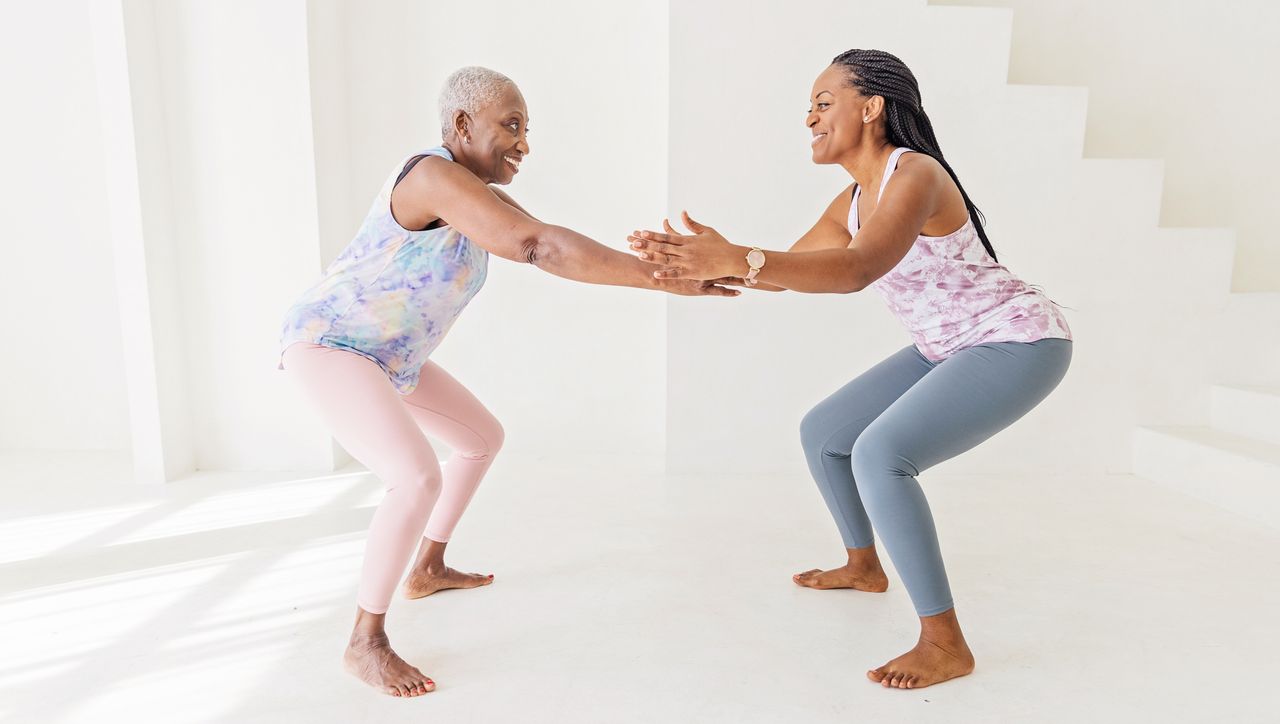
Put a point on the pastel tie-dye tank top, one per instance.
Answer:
(392, 294)
(950, 294)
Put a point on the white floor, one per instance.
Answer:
(621, 597)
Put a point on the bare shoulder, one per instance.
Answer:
(430, 189)
(923, 166)
(435, 170)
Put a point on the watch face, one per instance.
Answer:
(755, 258)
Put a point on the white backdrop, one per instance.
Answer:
(262, 131)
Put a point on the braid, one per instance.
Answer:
(877, 73)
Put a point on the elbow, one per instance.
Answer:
(539, 248)
(855, 282)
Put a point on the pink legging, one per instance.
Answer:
(384, 430)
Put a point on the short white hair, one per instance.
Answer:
(469, 89)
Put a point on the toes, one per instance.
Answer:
(876, 675)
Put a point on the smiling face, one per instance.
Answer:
(496, 137)
(836, 112)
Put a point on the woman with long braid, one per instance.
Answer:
(987, 347)
(359, 343)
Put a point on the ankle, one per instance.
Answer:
(864, 559)
(365, 640)
(432, 567)
(943, 631)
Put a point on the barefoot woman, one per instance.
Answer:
(358, 342)
(987, 348)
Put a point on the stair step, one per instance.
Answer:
(1244, 341)
(1247, 411)
(1236, 473)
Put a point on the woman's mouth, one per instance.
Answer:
(513, 162)
(817, 137)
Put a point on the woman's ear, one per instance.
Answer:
(462, 125)
(873, 108)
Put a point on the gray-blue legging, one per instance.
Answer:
(867, 443)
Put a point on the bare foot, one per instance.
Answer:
(426, 581)
(928, 663)
(370, 659)
(862, 578)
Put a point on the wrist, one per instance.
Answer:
(736, 263)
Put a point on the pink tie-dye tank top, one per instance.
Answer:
(393, 293)
(950, 294)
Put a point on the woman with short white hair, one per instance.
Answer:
(358, 341)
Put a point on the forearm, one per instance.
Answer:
(835, 271)
(568, 254)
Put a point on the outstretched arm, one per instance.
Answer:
(814, 266)
(437, 188)
(830, 232)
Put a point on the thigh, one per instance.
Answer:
(443, 407)
(842, 416)
(967, 399)
(361, 407)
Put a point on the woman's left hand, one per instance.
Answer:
(704, 254)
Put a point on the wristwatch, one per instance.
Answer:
(755, 260)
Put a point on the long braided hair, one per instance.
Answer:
(877, 73)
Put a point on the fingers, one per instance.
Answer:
(716, 290)
(670, 238)
(670, 272)
(667, 225)
(653, 250)
(692, 225)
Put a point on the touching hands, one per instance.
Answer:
(702, 255)
(697, 287)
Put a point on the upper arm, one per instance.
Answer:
(440, 188)
(832, 230)
(509, 201)
(912, 196)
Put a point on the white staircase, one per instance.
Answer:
(1190, 352)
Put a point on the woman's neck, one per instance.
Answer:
(867, 163)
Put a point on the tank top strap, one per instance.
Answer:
(399, 172)
(890, 166)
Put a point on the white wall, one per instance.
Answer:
(61, 378)
(571, 370)
(236, 95)
(264, 131)
(741, 377)
(1185, 81)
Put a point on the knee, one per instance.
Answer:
(876, 456)
(489, 439)
(494, 437)
(420, 478)
(813, 433)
